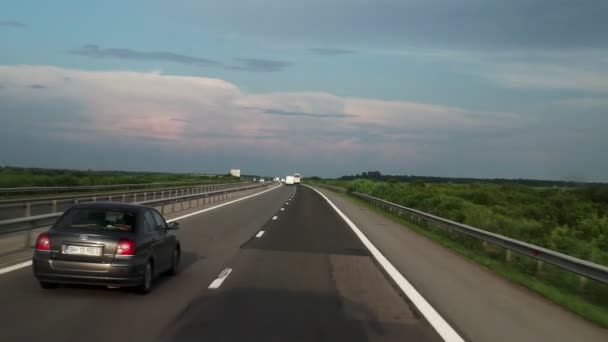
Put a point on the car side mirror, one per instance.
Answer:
(173, 226)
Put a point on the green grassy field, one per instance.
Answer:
(11, 177)
(570, 220)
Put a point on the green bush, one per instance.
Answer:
(571, 221)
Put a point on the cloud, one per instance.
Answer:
(301, 114)
(246, 64)
(584, 103)
(589, 78)
(201, 123)
(95, 51)
(181, 120)
(464, 24)
(260, 65)
(331, 52)
(12, 23)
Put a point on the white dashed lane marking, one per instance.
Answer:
(220, 278)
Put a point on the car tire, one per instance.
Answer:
(146, 285)
(174, 262)
(48, 286)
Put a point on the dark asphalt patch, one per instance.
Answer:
(310, 225)
(249, 314)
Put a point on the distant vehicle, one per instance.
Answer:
(262, 180)
(296, 178)
(282, 180)
(235, 173)
(289, 180)
(111, 244)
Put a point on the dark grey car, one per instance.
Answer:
(112, 244)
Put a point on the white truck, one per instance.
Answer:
(289, 180)
(296, 178)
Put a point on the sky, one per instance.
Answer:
(468, 88)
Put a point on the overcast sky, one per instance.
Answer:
(469, 88)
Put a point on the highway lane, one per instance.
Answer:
(306, 278)
(209, 241)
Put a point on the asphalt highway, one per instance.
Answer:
(281, 266)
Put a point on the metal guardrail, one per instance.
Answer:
(89, 187)
(127, 191)
(575, 265)
(34, 222)
(26, 207)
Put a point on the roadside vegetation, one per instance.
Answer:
(13, 177)
(572, 220)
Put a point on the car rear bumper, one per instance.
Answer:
(123, 273)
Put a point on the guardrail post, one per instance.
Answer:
(124, 198)
(110, 198)
(539, 266)
(54, 206)
(509, 255)
(94, 198)
(582, 282)
(162, 209)
(28, 238)
(145, 196)
(28, 209)
(162, 194)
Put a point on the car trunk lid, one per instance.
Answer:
(83, 245)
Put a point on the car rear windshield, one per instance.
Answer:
(97, 219)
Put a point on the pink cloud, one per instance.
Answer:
(212, 114)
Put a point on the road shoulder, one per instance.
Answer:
(477, 302)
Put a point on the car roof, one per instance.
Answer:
(128, 207)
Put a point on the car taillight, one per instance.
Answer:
(125, 247)
(43, 243)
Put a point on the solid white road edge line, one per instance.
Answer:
(259, 235)
(220, 278)
(15, 267)
(432, 316)
(29, 263)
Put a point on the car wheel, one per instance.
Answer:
(48, 286)
(146, 284)
(174, 263)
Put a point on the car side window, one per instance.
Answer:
(149, 223)
(160, 222)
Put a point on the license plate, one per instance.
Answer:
(81, 250)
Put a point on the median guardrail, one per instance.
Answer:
(25, 207)
(33, 222)
(90, 187)
(575, 265)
